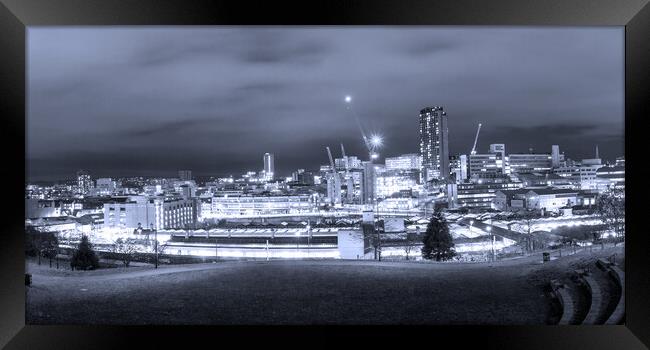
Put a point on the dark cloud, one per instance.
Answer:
(154, 99)
(428, 47)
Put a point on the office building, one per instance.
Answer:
(583, 175)
(261, 205)
(458, 167)
(84, 182)
(104, 187)
(476, 195)
(348, 162)
(185, 175)
(269, 166)
(368, 184)
(610, 176)
(528, 163)
(130, 212)
(548, 199)
(486, 166)
(434, 143)
(411, 161)
(391, 182)
(555, 156)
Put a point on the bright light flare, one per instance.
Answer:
(376, 140)
(374, 156)
(348, 99)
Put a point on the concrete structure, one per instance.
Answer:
(434, 143)
(353, 244)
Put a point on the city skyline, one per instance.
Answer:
(129, 102)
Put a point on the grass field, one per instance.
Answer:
(302, 292)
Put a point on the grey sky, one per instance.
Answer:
(152, 100)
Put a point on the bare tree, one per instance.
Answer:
(526, 225)
(611, 209)
(410, 243)
(126, 249)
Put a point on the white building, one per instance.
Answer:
(261, 205)
(130, 212)
(411, 161)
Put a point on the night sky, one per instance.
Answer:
(153, 100)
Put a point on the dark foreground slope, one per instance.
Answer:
(299, 292)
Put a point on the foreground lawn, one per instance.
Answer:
(300, 292)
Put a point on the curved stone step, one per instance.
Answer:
(619, 312)
(566, 301)
(595, 307)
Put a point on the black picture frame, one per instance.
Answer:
(16, 15)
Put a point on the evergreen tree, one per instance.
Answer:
(84, 257)
(438, 243)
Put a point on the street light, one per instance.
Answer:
(489, 229)
(155, 232)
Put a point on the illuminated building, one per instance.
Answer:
(261, 205)
(583, 176)
(390, 182)
(351, 162)
(620, 161)
(84, 182)
(410, 161)
(269, 166)
(610, 176)
(548, 199)
(368, 194)
(528, 163)
(543, 180)
(129, 212)
(476, 195)
(104, 187)
(458, 167)
(486, 166)
(555, 156)
(434, 143)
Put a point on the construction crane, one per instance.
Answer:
(336, 191)
(348, 179)
(476, 139)
(329, 154)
